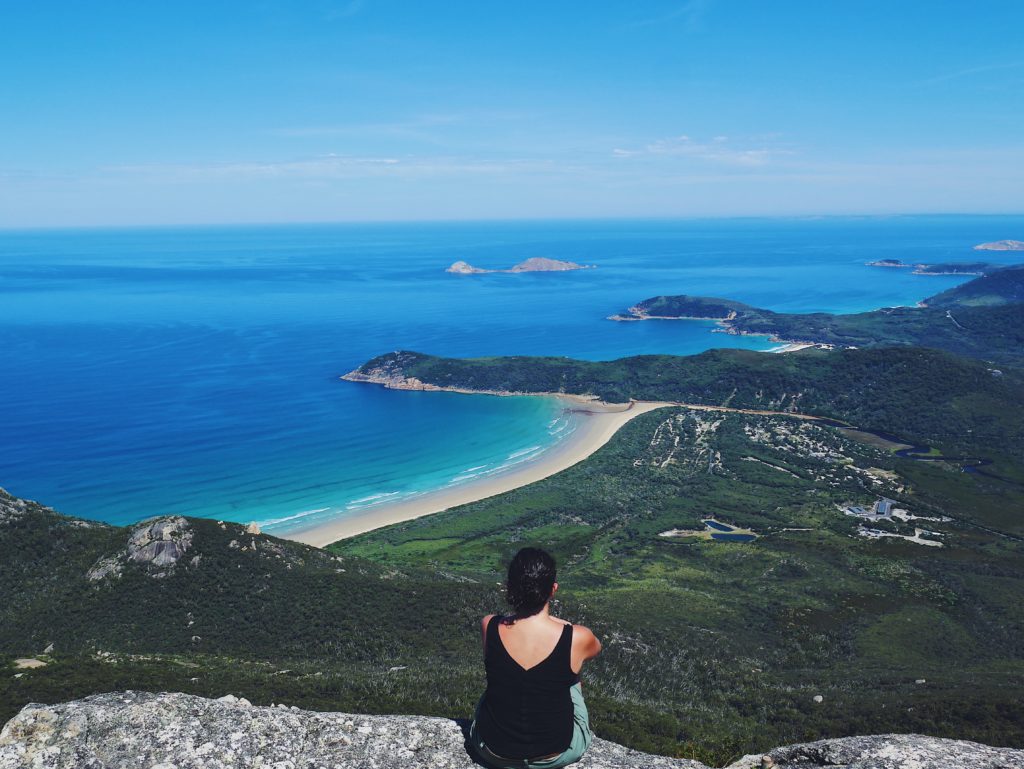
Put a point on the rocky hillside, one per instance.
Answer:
(133, 729)
(184, 604)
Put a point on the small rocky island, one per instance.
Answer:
(888, 263)
(533, 264)
(1001, 245)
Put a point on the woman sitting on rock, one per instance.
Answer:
(532, 714)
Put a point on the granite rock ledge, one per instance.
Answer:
(139, 730)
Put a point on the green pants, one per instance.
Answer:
(581, 739)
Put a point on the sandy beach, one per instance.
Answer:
(598, 423)
(793, 347)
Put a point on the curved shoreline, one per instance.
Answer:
(599, 423)
(725, 326)
(602, 421)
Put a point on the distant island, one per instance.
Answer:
(1001, 245)
(533, 264)
(947, 268)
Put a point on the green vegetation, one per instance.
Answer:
(995, 333)
(684, 306)
(276, 622)
(995, 289)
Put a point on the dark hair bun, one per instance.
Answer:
(531, 575)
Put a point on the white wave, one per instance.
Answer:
(532, 449)
(520, 459)
(303, 514)
(371, 500)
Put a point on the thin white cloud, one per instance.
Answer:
(719, 150)
(329, 167)
(971, 71)
(412, 126)
(344, 10)
(691, 13)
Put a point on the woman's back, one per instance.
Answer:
(532, 713)
(527, 710)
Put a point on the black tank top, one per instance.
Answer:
(527, 713)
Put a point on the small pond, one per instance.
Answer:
(735, 537)
(713, 524)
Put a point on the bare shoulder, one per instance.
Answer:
(484, 622)
(581, 633)
(585, 642)
(561, 621)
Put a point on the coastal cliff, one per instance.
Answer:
(127, 730)
(391, 371)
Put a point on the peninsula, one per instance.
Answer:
(533, 264)
(979, 319)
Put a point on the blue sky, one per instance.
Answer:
(203, 112)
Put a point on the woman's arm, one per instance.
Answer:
(591, 647)
(585, 646)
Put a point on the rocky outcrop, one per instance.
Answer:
(157, 544)
(13, 509)
(888, 751)
(132, 730)
(465, 268)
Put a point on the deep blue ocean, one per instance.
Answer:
(195, 370)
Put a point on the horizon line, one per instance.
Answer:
(499, 220)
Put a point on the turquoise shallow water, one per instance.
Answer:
(150, 371)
